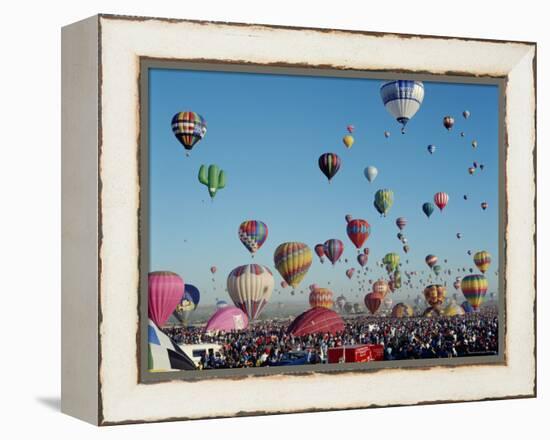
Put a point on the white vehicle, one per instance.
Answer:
(196, 351)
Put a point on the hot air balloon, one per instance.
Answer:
(373, 302)
(484, 205)
(381, 287)
(457, 283)
(334, 249)
(437, 269)
(189, 128)
(466, 114)
(387, 134)
(188, 304)
(481, 166)
(383, 201)
(431, 260)
(453, 309)
(213, 178)
(321, 297)
(253, 234)
(441, 199)
(320, 251)
(371, 173)
(350, 128)
(401, 222)
(349, 218)
(284, 284)
(469, 252)
(293, 260)
(329, 163)
(435, 294)
(213, 269)
(341, 302)
(227, 319)
(482, 260)
(474, 144)
(431, 149)
(474, 288)
(358, 231)
(428, 209)
(432, 312)
(471, 170)
(467, 307)
(391, 260)
(317, 320)
(462, 134)
(402, 99)
(366, 251)
(362, 259)
(402, 310)
(250, 288)
(165, 290)
(448, 122)
(406, 249)
(465, 196)
(221, 304)
(459, 235)
(350, 272)
(348, 140)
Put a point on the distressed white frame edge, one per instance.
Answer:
(122, 42)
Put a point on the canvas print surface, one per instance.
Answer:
(318, 221)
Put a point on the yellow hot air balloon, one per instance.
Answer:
(348, 140)
(482, 259)
(293, 260)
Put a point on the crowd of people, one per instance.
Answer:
(267, 343)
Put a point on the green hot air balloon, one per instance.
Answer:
(383, 201)
(437, 269)
(428, 209)
(213, 178)
(391, 261)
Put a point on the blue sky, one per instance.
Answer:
(267, 132)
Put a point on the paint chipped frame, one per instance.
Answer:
(120, 43)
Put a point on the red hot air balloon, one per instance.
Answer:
(441, 199)
(362, 259)
(373, 301)
(213, 269)
(316, 320)
(165, 292)
(320, 251)
(350, 128)
(334, 249)
(358, 231)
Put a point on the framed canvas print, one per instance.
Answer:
(252, 212)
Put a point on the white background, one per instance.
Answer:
(30, 215)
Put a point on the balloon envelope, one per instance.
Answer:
(402, 99)
(227, 319)
(316, 320)
(250, 287)
(165, 290)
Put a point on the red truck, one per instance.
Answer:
(356, 353)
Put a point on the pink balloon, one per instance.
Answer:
(227, 319)
(165, 293)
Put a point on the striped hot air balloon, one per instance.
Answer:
(474, 288)
(329, 163)
(391, 260)
(250, 287)
(431, 260)
(334, 249)
(441, 199)
(402, 99)
(189, 128)
(321, 297)
(401, 222)
(358, 231)
(253, 234)
(316, 320)
(482, 260)
(293, 260)
(165, 292)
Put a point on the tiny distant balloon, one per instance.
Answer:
(387, 134)
(401, 222)
(431, 149)
(441, 199)
(484, 205)
(466, 114)
(362, 259)
(370, 173)
(448, 122)
(471, 170)
(465, 196)
(350, 128)
(481, 166)
(474, 144)
(349, 217)
(348, 140)
(213, 269)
